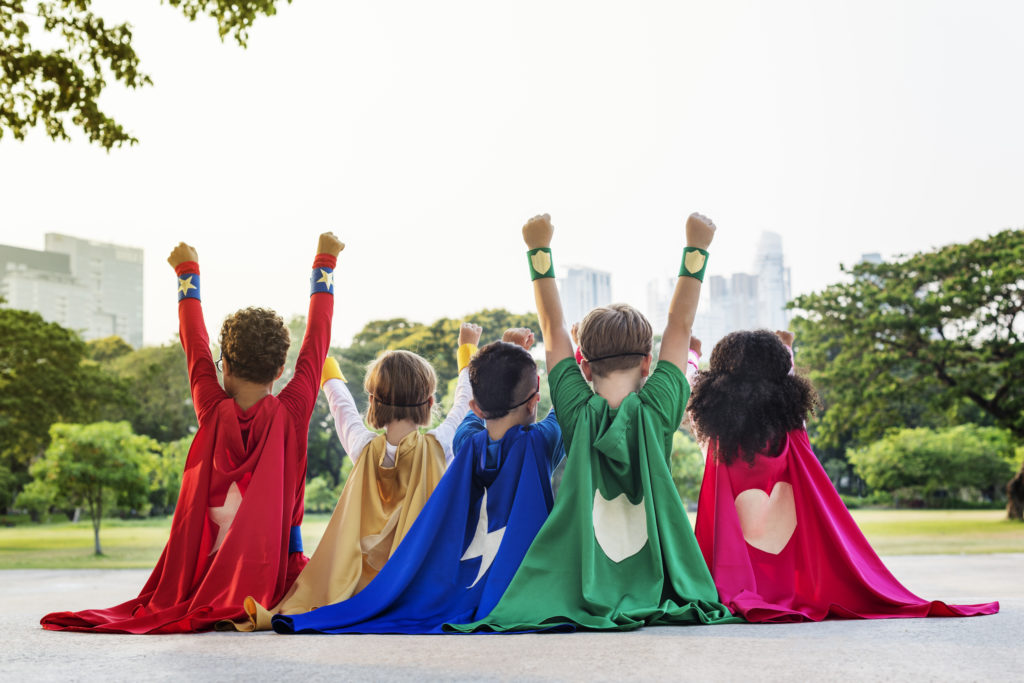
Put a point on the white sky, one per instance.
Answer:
(425, 133)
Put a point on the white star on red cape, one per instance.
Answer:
(225, 514)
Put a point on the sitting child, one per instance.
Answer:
(779, 541)
(394, 474)
(617, 550)
(468, 541)
(236, 525)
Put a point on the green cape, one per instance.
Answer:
(569, 578)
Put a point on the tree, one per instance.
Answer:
(45, 378)
(687, 464)
(95, 466)
(164, 471)
(107, 348)
(157, 378)
(57, 57)
(929, 339)
(924, 464)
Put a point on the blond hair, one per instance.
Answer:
(618, 335)
(400, 385)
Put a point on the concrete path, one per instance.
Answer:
(980, 648)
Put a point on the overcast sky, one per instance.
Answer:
(425, 133)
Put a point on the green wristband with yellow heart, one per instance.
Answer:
(695, 262)
(540, 263)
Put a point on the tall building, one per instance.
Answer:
(92, 287)
(583, 289)
(659, 296)
(745, 301)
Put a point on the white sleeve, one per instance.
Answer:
(445, 432)
(352, 433)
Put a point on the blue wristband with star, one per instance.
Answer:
(321, 281)
(188, 286)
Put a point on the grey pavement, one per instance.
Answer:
(977, 648)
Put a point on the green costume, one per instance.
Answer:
(617, 551)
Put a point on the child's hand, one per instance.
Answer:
(521, 336)
(537, 231)
(469, 334)
(695, 344)
(182, 253)
(329, 244)
(786, 337)
(699, 231)
(575, 332)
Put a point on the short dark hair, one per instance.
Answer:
(501, 374)
(746, 401)
(254, 342)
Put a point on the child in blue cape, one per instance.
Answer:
(459, 556)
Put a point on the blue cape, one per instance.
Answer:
(453, 566)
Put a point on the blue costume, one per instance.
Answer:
(461, 553)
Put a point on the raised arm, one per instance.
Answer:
(202, 373)
(557, 345)
(469, 337)
(683, 308)
(299, 396)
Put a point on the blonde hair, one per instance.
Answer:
(400, 385)
(619, 334)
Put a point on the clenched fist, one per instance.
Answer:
(699, 231)
(537, 231)
(469, 334)
(182, 253)
(329, 244)
(521, 336)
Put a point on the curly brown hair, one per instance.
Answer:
(746, 401)
(254, 342)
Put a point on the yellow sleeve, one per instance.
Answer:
(465, 354)
(331, 371)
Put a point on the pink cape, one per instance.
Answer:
(826, 568)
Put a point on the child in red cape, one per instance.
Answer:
(236, 526)
(779, 541)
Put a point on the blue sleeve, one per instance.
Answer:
(552, 433)
(471, 425)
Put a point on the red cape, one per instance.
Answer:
(811, 565)
(254, 460)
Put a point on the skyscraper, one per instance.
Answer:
(745, 301)
(583, 289)
(88, 286)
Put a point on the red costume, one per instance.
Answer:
(241, 503)
(782, 546)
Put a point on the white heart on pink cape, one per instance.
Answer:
(767, 522)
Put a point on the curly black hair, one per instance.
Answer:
(746, 402)
(254, 342)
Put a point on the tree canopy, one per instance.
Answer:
(929, 339)
(57, 56)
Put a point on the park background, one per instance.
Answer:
(423, 134)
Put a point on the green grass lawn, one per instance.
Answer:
(137, 543)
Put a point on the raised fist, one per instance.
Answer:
(469, 334)
(575, 333)
(699, 231)
(786, 336)
(521, 336)
(182, 253)
(537, 231)
(329, 244)
(695, 344)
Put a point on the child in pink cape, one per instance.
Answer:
(779, 541)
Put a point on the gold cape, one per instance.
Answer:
(377, 507)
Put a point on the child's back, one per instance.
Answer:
(780, 543)
(236, 524)
(617, 550)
